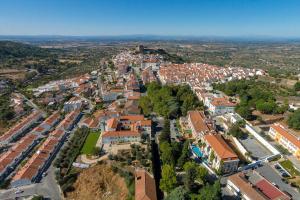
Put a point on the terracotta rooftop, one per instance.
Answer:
(198, 121)
(221, 101)
(220, 147)
(287, 134)
(271, 191)
(145, 188)
(245, 187)
(120, 134)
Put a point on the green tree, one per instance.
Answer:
(266, 107)
(168, 181)
(165, 134)
(201, 172)
(189, 178)
(245, 112)
(209, 192)
(236, 131)
(166, 153)
(294, 120)
(146, 105)
(184, 155)
(179, 193)
(297, 86)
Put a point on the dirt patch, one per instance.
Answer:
(13, 74)
(99, 182)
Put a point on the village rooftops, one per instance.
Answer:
(15, 151)
(25, 123)
(220, 147)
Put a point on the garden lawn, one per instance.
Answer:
(90, 143)
(288, 165)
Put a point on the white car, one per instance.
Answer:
(18, 191)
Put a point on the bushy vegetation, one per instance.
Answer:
(294, 120)
(235, 131)
(297, 86)
(168, 101)
(253, 95)
(6, 111)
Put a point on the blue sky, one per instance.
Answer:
(164, 17)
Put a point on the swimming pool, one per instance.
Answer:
(196, 150)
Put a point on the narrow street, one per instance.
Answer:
(155, 156)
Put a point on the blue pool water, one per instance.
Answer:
(197, 151)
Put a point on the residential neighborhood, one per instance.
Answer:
(161, 127)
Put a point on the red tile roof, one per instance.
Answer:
(120, 134)
(245, 187)
(285, 133)
(271, 191)
(220, 147)
(198, 121)
(145, 188)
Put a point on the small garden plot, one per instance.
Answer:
(90, 143)
(288, 165)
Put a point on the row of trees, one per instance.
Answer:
(168, 101)
(253, 95)
(67, 156)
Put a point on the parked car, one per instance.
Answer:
(18, 191)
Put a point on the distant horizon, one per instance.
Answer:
(109, 18)
(145, 38)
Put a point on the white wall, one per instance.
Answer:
(251, 130)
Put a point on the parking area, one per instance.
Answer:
(270, 173)
(257, 150)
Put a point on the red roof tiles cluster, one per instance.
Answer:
(196, 74)
(37, 161)
(20, 126)
(8, 158)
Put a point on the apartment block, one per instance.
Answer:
(286, 138)
(225, 159)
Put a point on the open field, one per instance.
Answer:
(99, 182)
(90, 143)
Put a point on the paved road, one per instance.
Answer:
(30, 102)
(271, 174)
(156, 164)
(47, 187)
